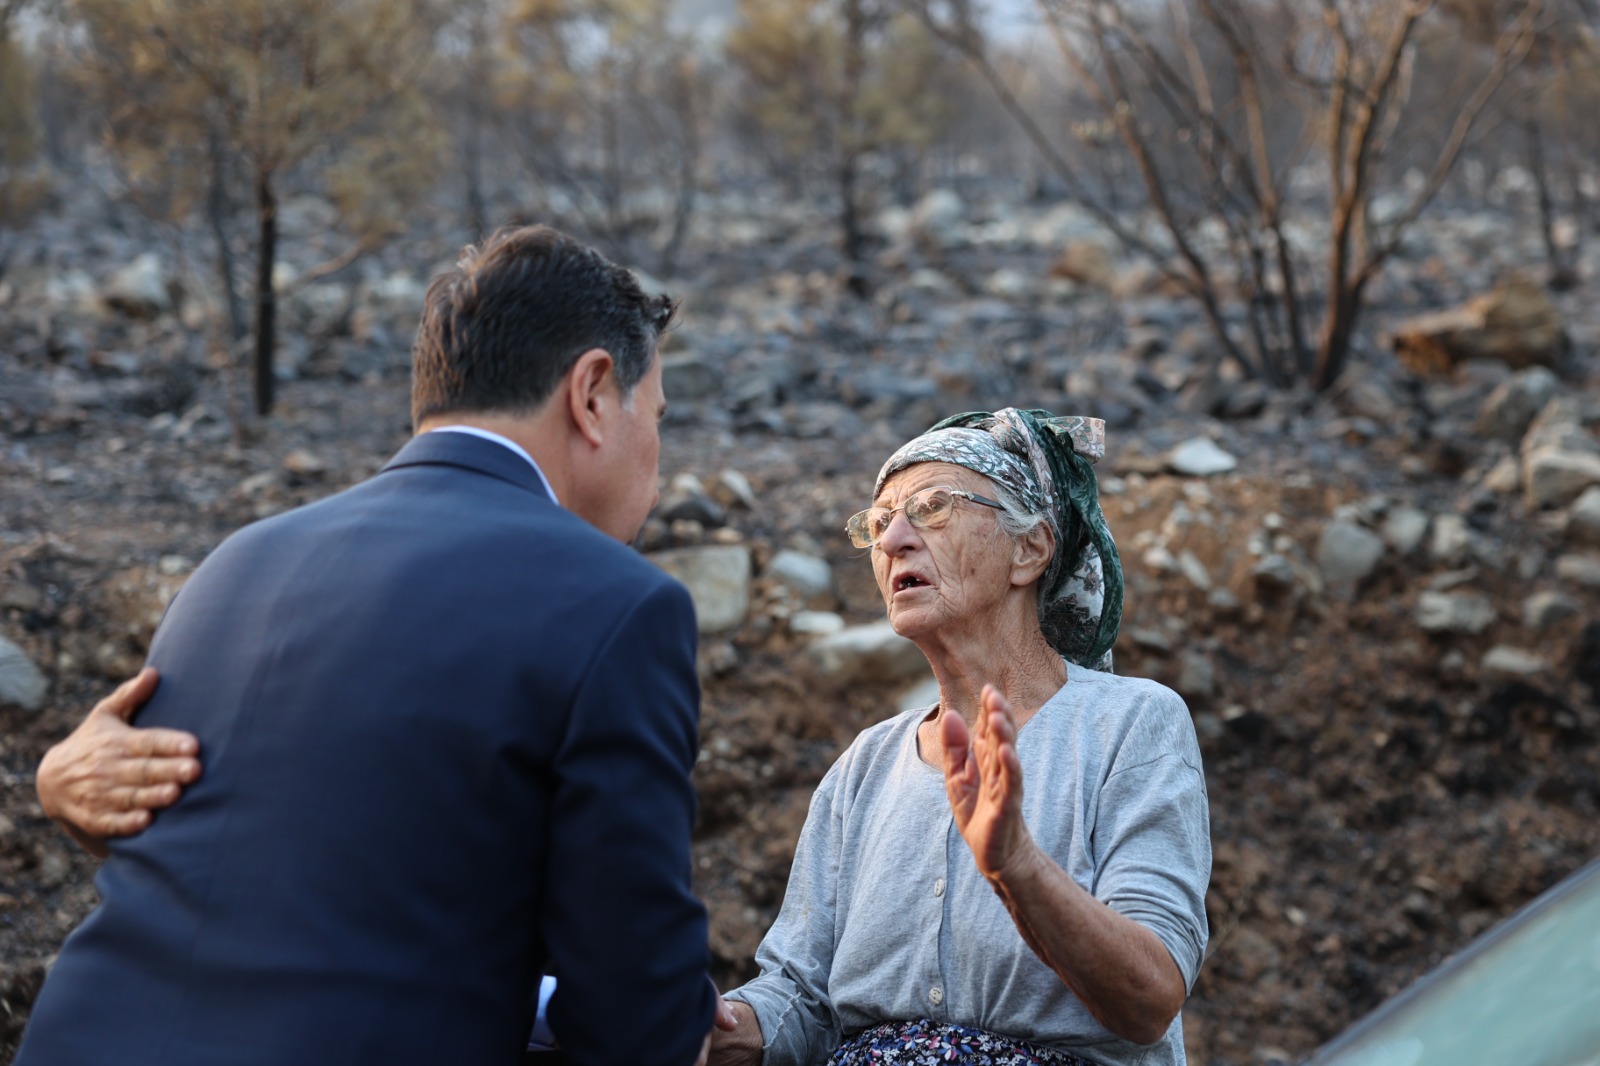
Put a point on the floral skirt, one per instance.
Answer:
(924, 1043)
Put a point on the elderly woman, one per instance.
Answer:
(1016, 874)
(938, 910)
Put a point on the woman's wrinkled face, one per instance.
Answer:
(935, 579)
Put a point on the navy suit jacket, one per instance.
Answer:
(447, 730)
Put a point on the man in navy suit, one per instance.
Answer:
(448, 719)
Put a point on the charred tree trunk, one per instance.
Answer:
(849, 164)
(218, 210)
(266, 297)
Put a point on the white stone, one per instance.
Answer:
(1192, 568)
(1545, 608)
(940, 218)
(733, 487)
(718, 580)
(872, 652)
(1200, 457)
(1579, 570)
(1583, 520)
(1404, 528)
(1554, 477)
(1451, 539)
(805, 575)
(1504, 661)
(140, 288)
(815, 623)
(1454, 612)
(21, 683)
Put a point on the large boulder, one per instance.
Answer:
(1516, 323)
(718, 579)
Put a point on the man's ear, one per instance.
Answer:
(590, 389)
(1031, 555)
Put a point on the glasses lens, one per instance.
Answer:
(856, 529)
(930, 508)
(878, 520)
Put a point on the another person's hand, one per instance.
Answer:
(983, 779)
(107, 777)
(736, 1039)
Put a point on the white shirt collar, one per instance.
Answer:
(474, 431)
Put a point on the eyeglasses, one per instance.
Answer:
(927, 509)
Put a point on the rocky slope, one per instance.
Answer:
(1379, 603)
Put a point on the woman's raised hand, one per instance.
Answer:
(983, 778)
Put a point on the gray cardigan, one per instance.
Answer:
(887, 917)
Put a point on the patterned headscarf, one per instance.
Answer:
(1045, 462)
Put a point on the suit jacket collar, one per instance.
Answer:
(469, 453)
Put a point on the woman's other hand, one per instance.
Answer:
(983, 778)
(107, 777)
(736, 1039)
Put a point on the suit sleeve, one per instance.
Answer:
(627, 937)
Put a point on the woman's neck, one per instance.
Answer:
(1014, 658)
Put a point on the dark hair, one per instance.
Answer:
(500, 329)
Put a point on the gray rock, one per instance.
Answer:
(1197, 676)
(1504, 478)
(718, 579)
(1545, 608)
(940, 219)
(1347, 555)
(1583, 520)
(1507, 663)
(1200, 457)
(872, 652)
(733, 488)
(805, 575)
(21, 683)
(1511, 407)
(688, 378)
(1274, 574)
(1579, 570)
(1451, 540)
(139, 289)
(1454, 612)
(1149, 639)
(1404, 528)
(1190, 566)
(1560, 459)
(686, 500)
(1553, 477)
